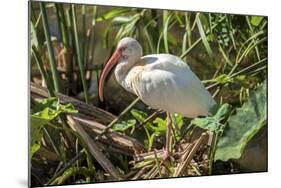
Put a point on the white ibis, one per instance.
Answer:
(162, 81)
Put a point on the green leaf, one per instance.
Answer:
(34, 148)
(161, 127)
(113, 13)
(223, 79)
(178, 120)
(124, 125)
(139, 115)
(207, 123)
(143, 164)
(256, 20)
(121, 20)
(203, 36)
(213, 123)
(222, 111)
(165, 31)
(47, 110)
(243, 125)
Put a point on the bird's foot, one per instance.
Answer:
(166, 155)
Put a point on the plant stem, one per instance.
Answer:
(55, 74)
(43, 71)
(77, 157)
(78, 50)
(118, 118)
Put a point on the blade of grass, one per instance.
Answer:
(239, 57)
(230, 31)
(227, 60)
(91, 46)
(113, 13)
(55, 74)
(84, 34)
(77, 157)
(166, 21)
(55, 147)
(161, 36)
(204, 38)
(187, 35)
(199, 40)
(252, 32)
(79, 54)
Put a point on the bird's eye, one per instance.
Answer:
(122, 49)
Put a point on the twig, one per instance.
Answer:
(146, 156)
(141, 172)
(203, 138)
(77, 157)
(151, 117)
(157, 163)
(118, 118)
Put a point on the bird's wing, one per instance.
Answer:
(166, 82)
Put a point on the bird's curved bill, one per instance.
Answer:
(109, 65)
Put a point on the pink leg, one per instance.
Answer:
(168, 137)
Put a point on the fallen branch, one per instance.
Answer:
(94, 149)
(128, 145)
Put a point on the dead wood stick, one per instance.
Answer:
(140, 173)
(203, 139)
(114, 138)
(147, 156)
(94, 149)
(151, 117)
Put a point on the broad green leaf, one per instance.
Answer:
(213, 123)
(256, 20)
(42, 113)
(208, 123)
(139, 115)
(161, 127)
(243, 125)
(222, 111)
(124, 125)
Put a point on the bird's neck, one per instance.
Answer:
(121, 71)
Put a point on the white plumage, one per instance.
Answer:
(162, 81)
(167, 83)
